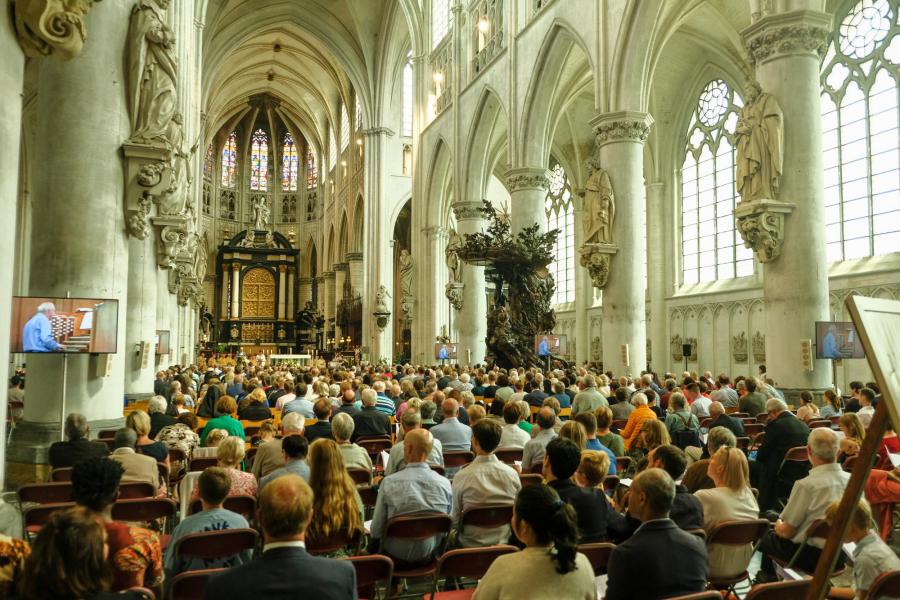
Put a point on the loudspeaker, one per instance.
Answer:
(686, 349)
(806, 355)
(103, 365)
(626, 360)
(145, 354)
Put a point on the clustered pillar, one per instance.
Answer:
(471, 320)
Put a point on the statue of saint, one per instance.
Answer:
(599, 208)
(152, 68)
(260, 213)
(760, 145)
(177, 199)
(452, 258)
(406, 272)
(381, 298)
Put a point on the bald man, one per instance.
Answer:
(285, 569)
(533, 454)
(415, 489)
(454, 436)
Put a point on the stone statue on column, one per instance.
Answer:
(454, 266)
(260, 213)
(177, 199)
(152, 70)
(599, 214)
(406, 272)
(760, 157)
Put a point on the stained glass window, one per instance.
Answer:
(408, 97)
(561, 215)
(229, 161)
(860, 133)
(289, 164)
(259, 161)
(711, 247)
(209, 163)
(312, 175)
(345, 128)
(440, 21)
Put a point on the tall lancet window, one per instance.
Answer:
(259, 161)
(711, 247)
(229, 161)
(860, 134)
(312, 173)
(289, 164)
(560, 212)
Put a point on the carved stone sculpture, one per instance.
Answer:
(599, 208)
(382, 313)
(739, 347)
(761, 225)
(152, 69)
(52, 27)
(451, 255)
(596, 259)
(595, 347)
(760, 145)
(176, 199)
(454, 293)
(693, 343)
(676, 347)
(759, 347)
(406, 272)
(408, 306)
(138, 222)
(260, 213)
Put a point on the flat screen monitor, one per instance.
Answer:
(56, 325)
(162, 342)
(838, 340)
(445, 351)
(549, 344)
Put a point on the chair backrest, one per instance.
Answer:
(610, 483)
(374, 446)
(537, 468)
(797, 454)
(458, 458)
(241, 504)
(885, 585)
(708, 595)
(365, 438)
(509, 455)
(191, 585)
(61, 474)
(36, 516)
(530, 479)
(368, 494)
(470, 562)
(439, 469)
(360, 476)
(705, 422)
(106, 434)
(143, 509)
(176, 455)
(251, 430)
(199, 464)
(216, 544)
(565, 413)
(598, 555)
(783, 590)
(743, 443)
(752, 429)
(136, 489)
(849, 462)
(739, 415)
(145, 594)
(489, 516)
(762, 417)
(334, 542)
(110, 443)
(619, 424)
(250, 455)
(737, 533)
(370, 571)
(622, 463)
(418, 527)
(46, 493)
(820, 423)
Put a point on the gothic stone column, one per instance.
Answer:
(355, 265)
(340, 276)
(786, 49)
(656, 276)
(140, 325)
(527, 197)
(620, 137)
(471, 321)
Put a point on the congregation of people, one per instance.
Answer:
(540, 466)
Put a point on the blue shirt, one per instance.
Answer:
(36, 335)
(296, 467)
(385, 405)
(454, 436)
(216, 519)
(594, 444)
(414, 489)
(300, 405)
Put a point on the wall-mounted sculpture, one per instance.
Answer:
(405, 261)
(739, 347)
(599, 214)
(453, 290)
(52, 27)
(759, 347)
(676, 347)
(152, 70)
(760, 158)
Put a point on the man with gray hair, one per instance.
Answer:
(36, 336)
(636, 569)
(355, 457)
(783, 432)
(720, 419)
(156, 408)
(269, 455)
(370, 421)
(138, 467)
(809, 499)
(77, 446)
(410, 421)
(589, 398)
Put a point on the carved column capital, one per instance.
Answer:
(52, 27)
(353, 256)
(622, 126)
(377, 131)
(341, 267)
(797, 32)
(761, 225)
(527, 178)
(436, 233)
(467, 211)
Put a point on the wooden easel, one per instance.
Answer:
(863, 311)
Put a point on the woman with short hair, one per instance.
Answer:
(230, 454)
(611, 440)
(355, 457)
(139, 421)
(226, 409)
(254, 407)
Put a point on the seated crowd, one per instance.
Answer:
(565, 458)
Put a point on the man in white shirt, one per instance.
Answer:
(808, 501)
(410, 421)
(288, 395)
(866, 411)
(534, 450)
(699, 403)
(512, 436)
(485, 481)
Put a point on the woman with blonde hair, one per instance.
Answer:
(854, 434)
(139, 421)
(574, 431)
(808, 410)
(730, 500)
(230, 454)
(337, 507)
(254, 407)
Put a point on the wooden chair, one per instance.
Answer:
(61, 474)
(106, 434)
(219, 544)
(736, 534)
(136, 489)
(743, 443)
(110, 443)
(240, 504)
(458, 458)
(375, 446)
(705, 423)
(619, 424)
(509, 455)
(371, 570)
(820, 423)
(470, 563)
(191, 585)
(489, 516)
(530, 479)
(334, 542)
(754, 429)
(45, 493)
(610, 483)
(740, 415)
(783, 590)
(439, 469)
(360, 476)
(748, 420)
(762, 418)
(598, 554)
(35, 517)
(417, 528)
(143, 510)
(622, 463)
(200, 464)
(885, 585)
(565, 413)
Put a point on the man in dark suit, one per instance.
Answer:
(286, 569)
(161, 385)
(322, 427)
(77, 446)
(720, 419)
(783, 432)
(370, 420)
(637, 569)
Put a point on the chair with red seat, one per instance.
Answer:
(509, 455)
(241, 504)
(35, 517)
(489, 516)
(46, 493)
(622, 463)
(598, 555)
(417, 528)
(458, 458)
(885, 585)
(61, 474)
(371, 570)
(192, 584)
(530, 479)
(200, 464)
(783, 590)
(220, 544)
(360, 476)
(736, 534)
(334, 542)
(471, 563)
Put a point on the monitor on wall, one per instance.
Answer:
(444, 351)
(44, 325)
(549, 344)
(162, 342)
(838, 340)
